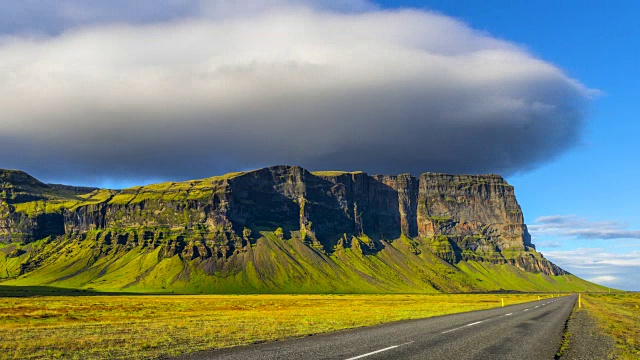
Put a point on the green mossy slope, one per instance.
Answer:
(280, 229)
(270, 265)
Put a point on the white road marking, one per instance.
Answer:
(461, 327)
(378, 351)
(458, 328)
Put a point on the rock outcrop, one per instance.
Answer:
(457, 217)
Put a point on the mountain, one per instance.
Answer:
(280, 229)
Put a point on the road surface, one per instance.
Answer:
(525, 331)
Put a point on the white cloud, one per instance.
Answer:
(572, 226)
(621, 270)
(548, 244)
(595, 257)
(603, 279)
(56, 16)
(283, 82)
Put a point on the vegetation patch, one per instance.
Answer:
(440, 219)
(618, 315)
(98, 327)
(566, 339)
(334, 173)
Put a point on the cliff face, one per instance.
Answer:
(217, 220)
(17, 187)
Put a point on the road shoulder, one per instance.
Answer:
(584, 340)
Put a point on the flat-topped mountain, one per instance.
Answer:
(277, 229)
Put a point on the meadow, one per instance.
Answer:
(618, 315)
(150, 326)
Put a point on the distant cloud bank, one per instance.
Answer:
(134, 90)
(617, 265)
(577, 227)
(618, 270)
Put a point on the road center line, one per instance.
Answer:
(378, 351)
(509, 314)
(458, 328)
(526, 309)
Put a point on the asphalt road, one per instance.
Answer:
(525, 331)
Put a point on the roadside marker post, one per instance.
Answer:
(502, 302)
(579, 300)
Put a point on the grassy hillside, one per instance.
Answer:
(271, 265)
(274, 230)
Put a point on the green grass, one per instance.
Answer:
(98, 327)
(566, 340)
(334, 173)
(271, 265)
(440, 218)
(56, 200)
(618, 315)
(496, 277)
(55, 205)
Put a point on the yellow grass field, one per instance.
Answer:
(86, 327)
(619, 317)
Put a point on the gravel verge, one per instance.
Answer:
(584, 341)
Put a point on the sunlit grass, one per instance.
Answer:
(86, 327)
(619, 317)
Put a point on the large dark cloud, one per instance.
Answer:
(231, 87)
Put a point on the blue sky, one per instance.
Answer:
(595, 42)
(543, 92)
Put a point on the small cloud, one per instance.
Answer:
(571, 226)
(554, 219)
(594, 257)
(603, 279)
(548, 244)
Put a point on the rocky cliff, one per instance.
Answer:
(217, 226)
